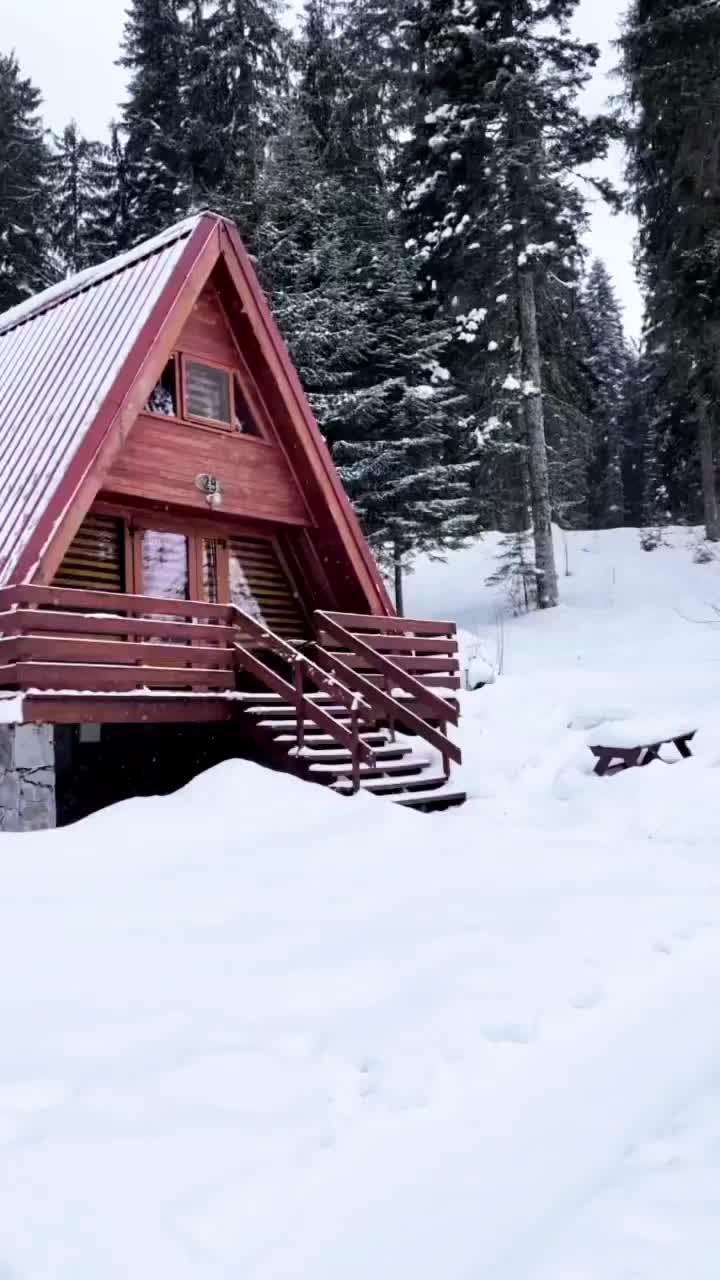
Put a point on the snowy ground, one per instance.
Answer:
(259, 1031)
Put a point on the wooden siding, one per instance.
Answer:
(162, 457)
(259, 584)
(207, 333)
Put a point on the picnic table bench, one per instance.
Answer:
(628, 746)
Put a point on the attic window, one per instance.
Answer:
(208, 392)
(163, 399)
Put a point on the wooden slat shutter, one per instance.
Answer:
(95, 559)
(260, 586)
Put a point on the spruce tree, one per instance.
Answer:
(25, 261)
(235, 96)
(74, 198)
(108, 226)
(671, 55)
(607, 361)
(371, 359)
(491, 205)
(153, 50)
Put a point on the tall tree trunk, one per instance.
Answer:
(546, 572)
(398, 576)
(707, 468)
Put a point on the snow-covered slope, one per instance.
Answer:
(258, 1030)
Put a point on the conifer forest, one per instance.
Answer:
(413, 179)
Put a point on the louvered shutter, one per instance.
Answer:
(95, 559)
(260, 586)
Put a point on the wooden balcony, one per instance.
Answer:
(75, 656)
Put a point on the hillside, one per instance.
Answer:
(257, 1030)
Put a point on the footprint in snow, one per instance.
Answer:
(588, 997)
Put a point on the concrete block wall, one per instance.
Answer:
(27, 777)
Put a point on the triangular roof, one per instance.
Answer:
(78, 361)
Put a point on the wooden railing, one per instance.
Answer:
(386, 653)
(64, 640)
(379, 657)
(58, 638)
(306, 672)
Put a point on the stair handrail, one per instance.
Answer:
(393, 708)
(431, 702)
(304, 668)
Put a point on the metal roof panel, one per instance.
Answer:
(60, 354)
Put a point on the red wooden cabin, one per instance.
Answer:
(182, 577)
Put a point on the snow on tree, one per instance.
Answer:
(76, 165)
(234, 84)
(153, 51)
(25, 263)
(371, 359)
(494, 214)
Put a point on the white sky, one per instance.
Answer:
(68, 48)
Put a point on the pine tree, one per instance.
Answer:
(566, 347)
(344, 293)
(108, 227)
(671, 55)
(74, 196)
(492, 207)
(25, 264)
(236, 98)
(153, 50)
(608, 365)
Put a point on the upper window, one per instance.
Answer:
(207, 391)
(211, 394)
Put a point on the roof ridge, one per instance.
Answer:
(91, 276)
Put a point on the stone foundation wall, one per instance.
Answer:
(27, 777)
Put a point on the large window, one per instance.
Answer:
(165, 565)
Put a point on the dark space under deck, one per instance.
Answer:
(99, 765)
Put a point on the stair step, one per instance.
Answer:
(282, 709)
(371, 739)
(410, 764)
(424, 782)
(386, 751)
(443, 798)
(345, 721)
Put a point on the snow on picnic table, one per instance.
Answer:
(258, 1030)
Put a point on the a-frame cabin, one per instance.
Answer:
(182, 577)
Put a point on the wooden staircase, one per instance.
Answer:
(331, 715)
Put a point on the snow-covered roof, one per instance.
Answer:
(60, 354)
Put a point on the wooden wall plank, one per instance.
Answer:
(162, 457)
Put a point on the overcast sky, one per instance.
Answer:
(68, 47)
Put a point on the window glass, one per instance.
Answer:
(163, 399)
(208, 392)
(166, 566)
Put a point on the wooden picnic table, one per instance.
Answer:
(614, 759)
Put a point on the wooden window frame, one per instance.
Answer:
(229, 428)
(197, 531)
